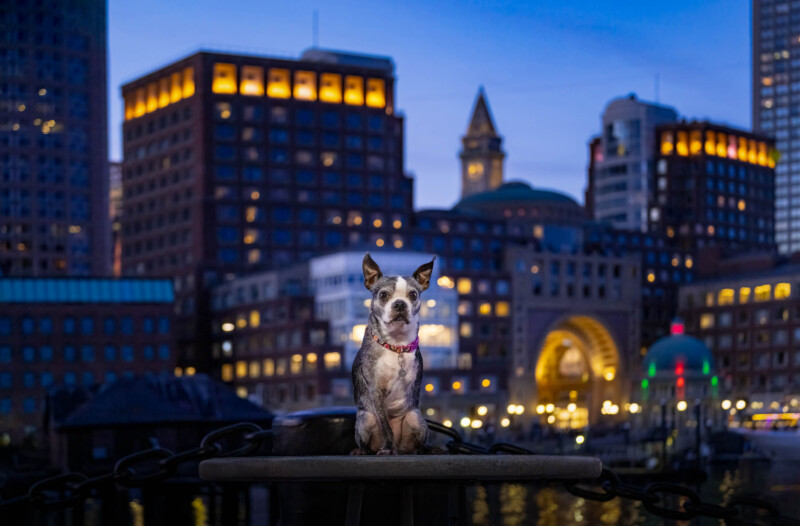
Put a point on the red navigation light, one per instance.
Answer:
(680, 382)
(676, 328)
(679, 369)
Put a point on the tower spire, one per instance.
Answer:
(482, 154)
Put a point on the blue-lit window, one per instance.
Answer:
(458, 263)
(163, 352)
(88, 379)
(333, 239)
(224, 152)
(305, 177)
(5, 326)
(332, 179)
(278, 156)
(330, 139)
(331, 198)
(110, 353)
(109, 326)
(281, 237)
(278, 136)
(476, 264)
(418, 243)
(87, 353)
(228, 255)
(253, 174)
(87, 325)
(28, 354)
(224, 132)
(354, 180)
(127, 374)
(46, 353)
(375, 123)
(354, 142)
(27, 325)
(397, 201)
(126, 325)
(304, 117)
(353, 121)
(5, 380)
(110, 377)
(376, 200)
(148, 353)
(355, 160)
(354, 199)
(5, 406)
(70, 378)
(308, 216)
(375, 143)
(29, 405)
(330, 119)
(29, 379)
(227, 234)
(46, 325)
(5, 354)
(305, 138)
(376, 181)
(163, 325)
(127, 353)
(224, 172)
(438, 244)
(281, 214)
(69, 353)
(308, 238)
(46, 379)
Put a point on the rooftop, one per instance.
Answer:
(516, 192)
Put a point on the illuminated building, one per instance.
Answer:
(53, 134)
(482, 154)
(237, 164)
(774, 88)
(115, 215)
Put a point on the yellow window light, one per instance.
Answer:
(178, 372)
(502, 308)
(269, 367)
(731, 147)
(175, 93)
(667, 143)
(465, 329)
(241, 391)
(682, 144)
(695, 142)
(130, 107)
(141, 103)
(762, 153)
(445, 282)
(464, 286)
(278, 83)
(762, 293)
(227, 372)
(722, 145)
(742, 154)
(255, 318)
(725, 297)
(783, 291)
(241, 369)
(252, 82)
(376, 93)
(224, 78)
(752, 151)
(305, 85)
(706, 320)
(188, 82)
(152, 97)
(255, 369)
(486, 382)
(333, 360)
(485, 309)
(296, 364)
(354, 90)
(163, 92)
(744, 294)
(742, 205)
(330, 87)
(711, 144)
(190, 371)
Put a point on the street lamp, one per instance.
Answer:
(682, 405)
(741, 404)
(726, 404)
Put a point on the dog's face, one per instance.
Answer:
(396, 299)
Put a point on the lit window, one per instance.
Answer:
(667, 145)
(255, 369)
(742, 149)
(241, 391)
(696, 142)
(742, 205)
(278, 83)
(305, 85)
(709, 299)
(333, 360)
(376, 93)
(464, 286)
(252, 81)
(538, 231)
(354, 91)
(682, 145)
(130, 107)
(398, 242)
(357, 333)
(241, 369)
(762, 153)
(752, 151)
(445, 282)
(711, 144)
(152, 97)
(175, 93)
(706, 321)
(762, 293)
(141, 105)
(732, 147)
(255, 318)
(253, 256)
(297, 364)
(725, 297)
(330, 87)
(485, 309)
(188, 82)
(465, 329)
(744, 294)
(241, 321)
(783, 291)
(227, 372)
(434, 335)
(311, 361)
(269, 367)
(722, 144)
(224, 80)
(502, 309)
(163, 92)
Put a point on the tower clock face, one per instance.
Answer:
(474, 171)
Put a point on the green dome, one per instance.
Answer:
(672, 353)
(516, 192)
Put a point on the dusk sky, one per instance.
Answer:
(548, 68)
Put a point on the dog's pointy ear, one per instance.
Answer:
(423, 274)
(372, 272)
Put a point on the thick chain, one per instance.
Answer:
(152, 465)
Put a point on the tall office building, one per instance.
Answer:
(234, 164)
(776, 106)
(622, 164)
(53, 145)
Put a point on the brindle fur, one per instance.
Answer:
(388, 421)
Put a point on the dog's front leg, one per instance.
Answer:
(387, 448)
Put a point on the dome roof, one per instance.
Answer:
(516, 192)
(678, 355)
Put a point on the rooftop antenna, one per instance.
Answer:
(315, 29)
(656, 88)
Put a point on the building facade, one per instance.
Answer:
(482, 153)
(77, 332)
(776, 109)
(53, 139)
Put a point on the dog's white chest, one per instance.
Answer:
(395, 383)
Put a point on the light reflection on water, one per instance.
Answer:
(520, 504)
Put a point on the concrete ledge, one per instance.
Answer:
(409, 467)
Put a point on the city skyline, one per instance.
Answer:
(488, 47)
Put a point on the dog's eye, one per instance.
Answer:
(383, 295)
(412, 296)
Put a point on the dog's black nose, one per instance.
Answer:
(399, 306)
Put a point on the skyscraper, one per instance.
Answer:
(53, 145)
(482, 154)
(776, 106)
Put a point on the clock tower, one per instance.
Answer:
(481, 154)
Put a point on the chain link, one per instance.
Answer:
(153, 465)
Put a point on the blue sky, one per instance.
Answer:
(548, 67)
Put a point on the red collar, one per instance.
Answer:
(399, 349)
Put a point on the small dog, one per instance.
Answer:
(387, 371)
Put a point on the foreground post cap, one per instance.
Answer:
(404, 467)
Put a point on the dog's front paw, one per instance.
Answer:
(386, 451)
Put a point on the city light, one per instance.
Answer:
(741, 404)
(431, 303)
(511, 409)
(579, 439)
(228, 326)
(520, 409)
(540, 409)
(429, 388)
(445, 282)
(551, 419)
(482, 410)
(486, 382)
(571, 408)
(634, 408)
(549, 408)
(447, 423)
(465, 422)
(505, 422)
(476, 424)
(456, 386)
(681, 405)
(430, 411)
(726, 404)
